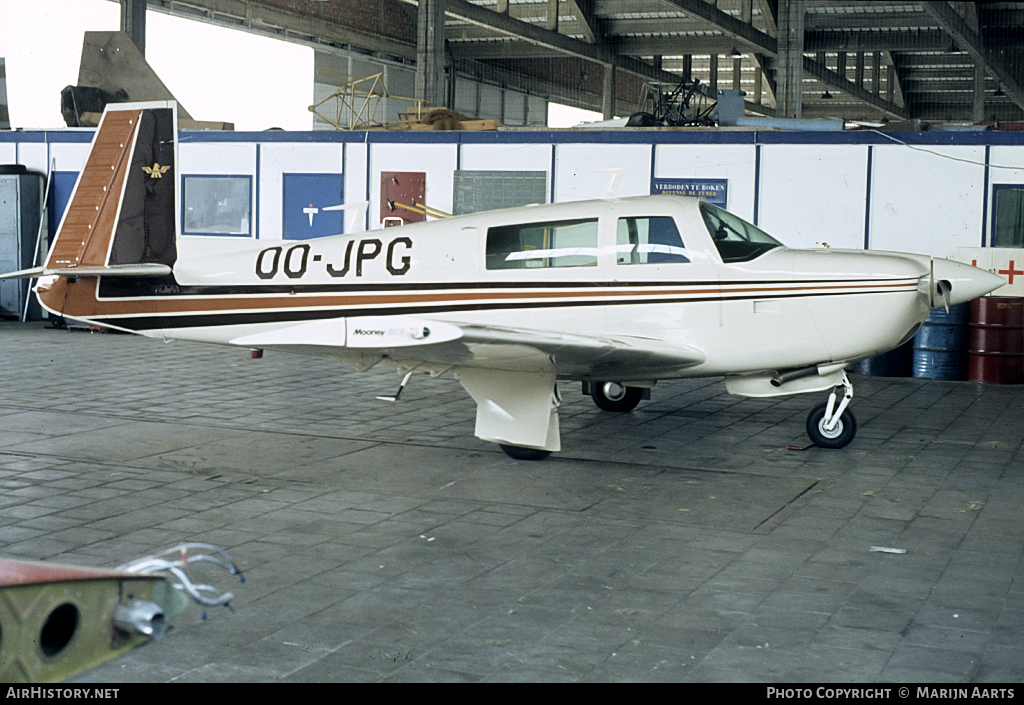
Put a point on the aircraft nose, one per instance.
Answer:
(956, 283)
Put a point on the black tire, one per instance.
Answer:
(839, 437)
(612, 396)
(523, 453)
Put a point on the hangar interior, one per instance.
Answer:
(933, 61)
(693, 539)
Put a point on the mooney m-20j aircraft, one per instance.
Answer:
(615, 293)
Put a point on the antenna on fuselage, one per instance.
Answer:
(358, 222)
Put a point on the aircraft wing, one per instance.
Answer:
(411, 342)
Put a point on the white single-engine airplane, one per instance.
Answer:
(614, 293)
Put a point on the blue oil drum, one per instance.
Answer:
(895, 363)
(940, 347)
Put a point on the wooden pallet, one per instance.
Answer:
(476, 125)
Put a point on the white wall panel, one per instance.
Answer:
(584, 171)
(926, 201)
(304, 157)
(70, 156)
(507, 157)
(726, 161)
(235, 159)
(356, 185)
(1002, 157)
(814, 194)
(33, 155)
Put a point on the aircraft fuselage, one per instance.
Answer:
(782, 309)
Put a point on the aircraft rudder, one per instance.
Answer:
(121, 219)
(122, 209)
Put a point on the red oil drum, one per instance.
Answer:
(996, 343)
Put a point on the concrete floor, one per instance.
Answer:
(383, 542)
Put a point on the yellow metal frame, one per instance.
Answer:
(359, 100)
(424, 209)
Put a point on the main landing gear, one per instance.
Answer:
(612, 396)
(524, 453)
(832, 425)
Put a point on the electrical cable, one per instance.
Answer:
(201, 593)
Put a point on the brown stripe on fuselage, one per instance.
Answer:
(79, 298)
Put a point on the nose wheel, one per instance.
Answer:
(832, 424)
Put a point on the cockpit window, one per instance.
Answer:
(736, 239)
(649, 240)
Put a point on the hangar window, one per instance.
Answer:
(1008, 229)
(736, 239)
(567, 243)
(649, 240)
(477, 191)
(217, 205)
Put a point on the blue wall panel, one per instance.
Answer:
(305, 198)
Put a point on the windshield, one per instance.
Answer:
(736, 239)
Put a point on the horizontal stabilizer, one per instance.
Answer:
(144, 269)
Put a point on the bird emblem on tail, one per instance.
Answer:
(156, 171)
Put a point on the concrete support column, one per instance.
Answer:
(608, 92)
(978, 104)
(551, 23)
(430, 52)
(789, 91)
(5, 116)
(746, 17)
(133, 22)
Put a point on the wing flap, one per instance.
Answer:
(600, 357)
(415, 341)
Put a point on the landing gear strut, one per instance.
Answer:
(832, 425)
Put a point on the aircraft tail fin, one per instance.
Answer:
(122, 213)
